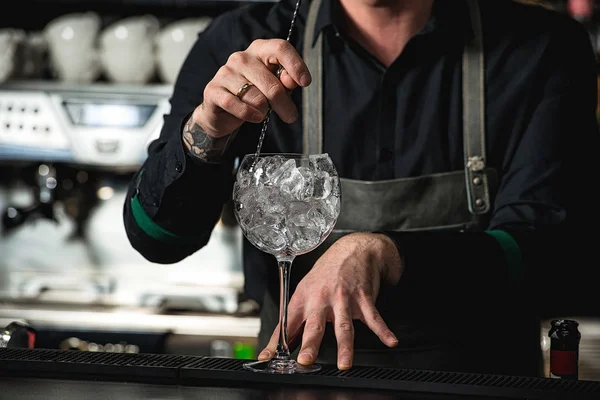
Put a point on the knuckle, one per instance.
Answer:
(275, 91)
(315, 326)
(345, 325)
(228, 102)
(281, 46)
(237, 57)
(376, 317)
(261, 102)
(257, 43)
(255, 98)
(224, 71)
(207, 94)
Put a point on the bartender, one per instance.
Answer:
(464, 132)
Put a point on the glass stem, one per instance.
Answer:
(285, 267)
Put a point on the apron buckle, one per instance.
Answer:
(476, 164)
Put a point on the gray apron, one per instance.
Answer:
(458, 200)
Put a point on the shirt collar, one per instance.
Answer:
(447, 17)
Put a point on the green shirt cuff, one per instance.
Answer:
(512, 253)
(152, 229)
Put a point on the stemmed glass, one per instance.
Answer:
(286, 205)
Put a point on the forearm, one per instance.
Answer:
(175, 201)
(153, 242)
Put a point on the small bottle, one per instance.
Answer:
(564, 349)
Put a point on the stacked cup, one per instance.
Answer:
(71, 41)
(127, 49)
(174, 43)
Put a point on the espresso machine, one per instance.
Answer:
(67, 154)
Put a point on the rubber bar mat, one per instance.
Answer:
(198, 371)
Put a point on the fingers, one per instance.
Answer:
(373, 320)
(314, 329)
(281, 52)
(255, 71)
(222, 111)
(294, 324)
(275, 53)
(344, 333)
(255, 66)
(216, 94)
(268, 352)
(252, 96)
(295, 319)
(295, 340)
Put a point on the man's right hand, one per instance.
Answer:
(222, 111)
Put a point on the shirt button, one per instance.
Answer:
(387, 155)
(179, 167)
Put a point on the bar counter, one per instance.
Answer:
(65, 375)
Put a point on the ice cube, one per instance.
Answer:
(306, 192)
(291, 183)
(322, 162)
(271, 164)
(244, 200)
(329, 207)
(304, 239)
(270, 199)
(322, 185)
(244, 178)
(282, 172)
(297, 209)
(259, 178)
(318, 220)
(267, 238)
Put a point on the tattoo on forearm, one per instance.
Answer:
(201, 145)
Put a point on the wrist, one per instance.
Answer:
(202, 145)
(389, 260)
(199, 118)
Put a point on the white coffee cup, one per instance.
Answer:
(174, 43)
(127, 49)
(72, 45)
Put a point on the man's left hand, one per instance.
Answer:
(342, 286)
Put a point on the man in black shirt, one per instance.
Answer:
(467, 130)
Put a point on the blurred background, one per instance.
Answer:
(83, 88)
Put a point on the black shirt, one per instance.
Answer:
(404, 121)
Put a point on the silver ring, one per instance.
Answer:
(279, 71)
(243, 90)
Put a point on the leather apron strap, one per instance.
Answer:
(312, 96)
(473, 71)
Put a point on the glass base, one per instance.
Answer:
(281, 367)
